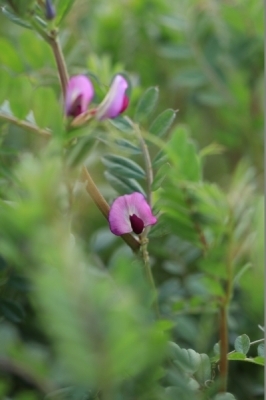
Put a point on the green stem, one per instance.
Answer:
(26, 125)
(223, 312)
(223, 348)
(146, 259)
(148, 163)
(60, 61)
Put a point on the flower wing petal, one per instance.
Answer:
(114, 102)
(119, 221)
(78, 86)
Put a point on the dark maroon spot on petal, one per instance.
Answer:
(76, 107)
(125, 104)
(136, 223)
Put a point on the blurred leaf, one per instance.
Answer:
(122, 123)
(190, 78)
(62, 8)
(182, 153)
(9, 56)
(146, 104)
(242, 344)
(127, 146)
(261, 351)
(45, 117)
(20, 97)
(15, 19)
(160, 176)
(122, 166)
(162, 123)
(203, 372)
(123, 185)
(76, 154)
(12, 310)
(224, 396)
(6, 81)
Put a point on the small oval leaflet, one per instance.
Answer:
(242, 344)
(147, 103)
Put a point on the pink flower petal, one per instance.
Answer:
(78, 95)
(127, 206)
(115, 102)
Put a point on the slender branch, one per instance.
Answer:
(145, 255)
(26, 125)
(223, 348)
(148, 164)
(60, 61)
(104, 206)
(10, 366)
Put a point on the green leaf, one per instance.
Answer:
(203, 372)
(182, 152)
(242, 344)
(146, 104)
(236, 356)
(160, 176)
(127, 146)
(62, 9)
(162, 123)
(160, 158)
(224, 396)
(257, 360)
(6, 81)
(122, 123)
(261, 352)
(9, 56)
(20, 97)
(123, 185)
(216, 349)
(11, 310)
(77, 153)
(15, 19)
(45, 117)
(123, 166)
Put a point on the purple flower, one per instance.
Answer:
(130, 212)
(116, 100)
(49, 10)
(79, 94)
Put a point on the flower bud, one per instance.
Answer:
(116, 100)
(79, 94)
(49, 10)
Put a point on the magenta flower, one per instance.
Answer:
(79, 94)
(130, 212)
(116, 100)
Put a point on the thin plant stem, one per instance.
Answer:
(13, 367)
(104, 207)
(60, 61)
(223, 314)
(148, 164)
(26, 125)
(146, 259)
(223, 348)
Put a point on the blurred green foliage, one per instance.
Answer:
(76, 321)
